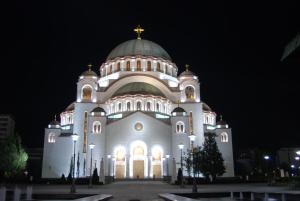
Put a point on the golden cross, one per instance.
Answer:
(138, 30)
(89, 66)
(187, 67)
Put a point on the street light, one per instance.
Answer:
(74, 138)
(192, 139)
(92, 146)
(181, 146)
(298, 153)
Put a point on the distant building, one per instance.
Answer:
(289, 157)
(7, 125)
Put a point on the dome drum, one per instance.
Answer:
(139, 64)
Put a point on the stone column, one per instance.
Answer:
(149, 166)
(127, 166)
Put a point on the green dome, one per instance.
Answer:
(138, 47)
(138, 88)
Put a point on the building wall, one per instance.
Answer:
(7, 125)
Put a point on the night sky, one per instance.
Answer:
(234, 48)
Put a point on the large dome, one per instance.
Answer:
(138, 88)
(138, 47)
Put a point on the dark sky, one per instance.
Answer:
(234, 48)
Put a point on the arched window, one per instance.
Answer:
(128, 106)
(87, 93)
(190, 93)
(224, 137)
(157, 107)
(118, 66)
(128, 66)
(148, 65)
(148, 106)
(96, 127)
(158, 66)
(120, 107)
(138, 65)
(51, 138)
(180, 128)
(138, 105)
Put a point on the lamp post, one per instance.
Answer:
(192, 139)
(74, 138)
(92, 146)
(181, 146)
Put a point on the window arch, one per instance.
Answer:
(118, 66)
(190, 93)
(180, 128)
(139, 105)
(158, 66)
(157, 107)
(128, 106)
(96, 127)
(224, 137)
(86, 93)
(128, 66)
(148, 106)
(119, 107)
(148, 65)
(51, 138)
(138, 65)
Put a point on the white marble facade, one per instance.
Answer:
(136, 112)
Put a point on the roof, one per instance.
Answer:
(70, 107)
(205, 107)
(138, 88)
(138, 47)
(178, 109)
(98, 109)
(221, 122)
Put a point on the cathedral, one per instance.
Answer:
(136, 118)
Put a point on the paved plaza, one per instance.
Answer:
(149, 190)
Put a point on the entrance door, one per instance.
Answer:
(157, 171)
(120, 170)
(138, 169)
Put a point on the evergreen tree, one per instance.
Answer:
(13, 157)
(212, 162)
(95, 177)
(188, 163)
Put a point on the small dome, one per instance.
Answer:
(138, 47)
(205, 107)
(98, 110)
(138, 88)
(221, 123)
(54, 123)
(89, 73)
(178, 109)
(186, 73)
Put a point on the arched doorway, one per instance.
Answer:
(157, 162)
(138, 160)
(120, 162)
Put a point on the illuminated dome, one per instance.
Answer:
(138, 47)
(138, 88)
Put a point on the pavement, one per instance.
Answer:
(149, 190)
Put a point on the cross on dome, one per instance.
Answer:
(138, 30)
(89, 66)
(187, 67)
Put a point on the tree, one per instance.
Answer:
(13, 157)
(211, 160)
(188, 163)
(95, 177)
